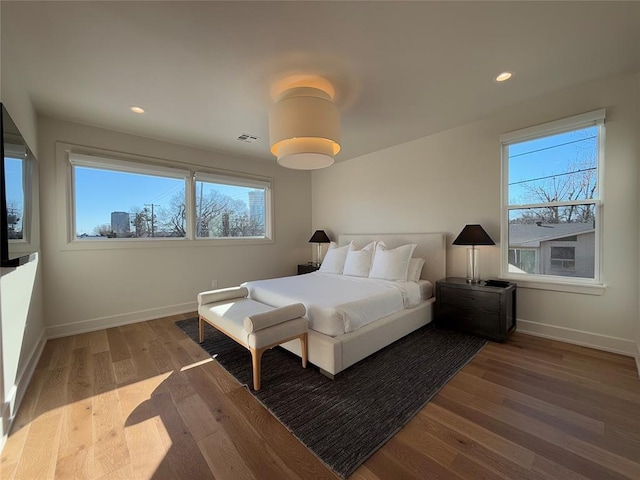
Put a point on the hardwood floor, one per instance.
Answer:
(143, 401)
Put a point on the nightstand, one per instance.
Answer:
(476, 308)
(307, 268)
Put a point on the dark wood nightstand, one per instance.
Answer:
(476, 308)
(307, 268)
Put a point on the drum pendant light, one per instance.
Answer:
(304, 129)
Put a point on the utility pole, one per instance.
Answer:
(153, 232)
(199, 222)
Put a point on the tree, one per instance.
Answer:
(173, 221)
(245, 226)
(140, 222)
(578, 183)
(235, 222)
(209, 211)
(14, 220)
(104, 230)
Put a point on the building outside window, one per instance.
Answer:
(552, 199)
(525, 260)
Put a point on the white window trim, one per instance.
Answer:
(94, 157)
(554, 127)
(112, 164)
(595, 286)
(237, 181)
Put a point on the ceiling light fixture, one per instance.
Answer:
(136, 109)
(504, 76)
(304, 128)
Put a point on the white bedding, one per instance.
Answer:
(338, 304)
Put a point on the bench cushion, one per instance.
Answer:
(229, 315)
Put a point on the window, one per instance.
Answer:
(117, 199)
(551, 200)
(14, 168)
(563, 258)
(230, 207)
(114, 199)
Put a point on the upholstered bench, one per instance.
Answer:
(252, 324)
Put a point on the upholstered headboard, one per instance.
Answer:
(431, 247)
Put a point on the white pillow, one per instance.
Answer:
(415, 269)
(391, 264)
(334, 259)
(358, 262)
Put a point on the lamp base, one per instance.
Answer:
(472, 266)
(319, 255)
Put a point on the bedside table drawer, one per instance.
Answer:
(470, 299)
(484, 310)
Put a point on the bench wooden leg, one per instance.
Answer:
(256, 357)
(303, 348)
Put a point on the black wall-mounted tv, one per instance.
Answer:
(16, 199)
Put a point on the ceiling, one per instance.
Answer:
(401, 70)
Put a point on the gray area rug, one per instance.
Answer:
(346, 420)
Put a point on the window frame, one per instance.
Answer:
(106, 160)
(246, 182)
(555, 282)
(121, 166)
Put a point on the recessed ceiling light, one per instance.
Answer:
(136, 109)
(504, 76)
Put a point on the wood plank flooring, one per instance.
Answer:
(143, 401)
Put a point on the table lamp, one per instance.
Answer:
(473, 235)
(319, 237)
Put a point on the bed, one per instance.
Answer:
(372, 313)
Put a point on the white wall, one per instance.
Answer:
(444, 181)
(91, 289)
(21, 295)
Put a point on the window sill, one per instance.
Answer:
(580, 288)
(126, 243)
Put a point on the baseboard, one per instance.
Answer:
(91, 325)
(579, 337)
(14, 397)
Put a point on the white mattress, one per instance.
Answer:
(338, 304)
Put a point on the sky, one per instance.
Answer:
(548, 156)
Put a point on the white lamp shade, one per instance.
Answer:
(304, 129)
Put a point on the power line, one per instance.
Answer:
(168, 191)
(553, 176)
(552, 146)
